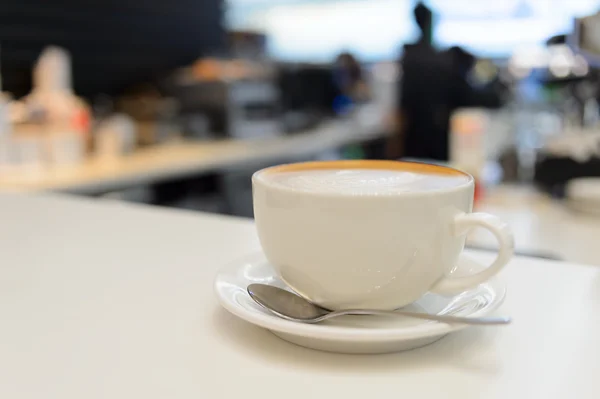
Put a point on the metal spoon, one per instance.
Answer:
(290, 306)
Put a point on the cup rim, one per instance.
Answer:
(364, 164)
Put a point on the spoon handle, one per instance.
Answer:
(481, 321)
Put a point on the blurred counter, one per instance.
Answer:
(189, 158)
(542, 226)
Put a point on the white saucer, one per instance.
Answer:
(354, 334)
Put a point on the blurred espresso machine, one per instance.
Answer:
(235, 97)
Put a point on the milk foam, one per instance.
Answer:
(365, 181)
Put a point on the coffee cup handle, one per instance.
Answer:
(462, 224)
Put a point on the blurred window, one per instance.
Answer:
(317, 30)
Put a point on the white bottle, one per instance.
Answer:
(65, 118)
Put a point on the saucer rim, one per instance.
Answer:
(275, 323)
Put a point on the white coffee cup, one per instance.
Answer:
(346, 251)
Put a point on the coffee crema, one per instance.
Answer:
(364, 181)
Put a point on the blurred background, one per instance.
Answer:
(178, 103)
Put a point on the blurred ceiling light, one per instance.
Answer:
(525, 59)
(485, 71)
(518, 72)
(530, 57)
(561, 50)
(559, 70)
(580, 66)
(561, 61)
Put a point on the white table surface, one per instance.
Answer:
(109, 300)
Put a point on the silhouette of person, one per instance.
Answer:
(432, 86)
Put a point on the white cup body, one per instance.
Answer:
(371, 252)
